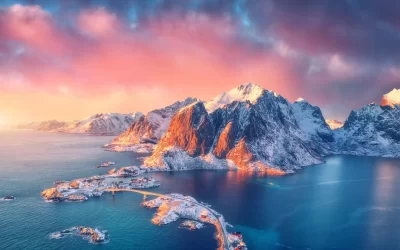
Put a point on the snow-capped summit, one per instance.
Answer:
(102, 124)
(391, 99)
(255, 130)
(334, 124)
(245, 92)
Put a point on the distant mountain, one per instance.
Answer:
(98, 124)
(373, 130)
(334, 124)
(391, 99)
(102, 124)
(257, 130)
(145, 132)
(31, 125)
(42, 126)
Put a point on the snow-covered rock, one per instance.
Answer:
(258, 134)
(334, 124)
(102, 124)
(245, 92)
(391, 99)
(147, 129)
(191, 225)
(373, 130)
(172, 207)
(312, 122)
(83, 188)
(93, 235)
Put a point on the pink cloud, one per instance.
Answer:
(193, 55)
(98, 23)
(32, 26)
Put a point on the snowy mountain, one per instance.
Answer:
(142, 135)
(312, 122)
(257, 131)
(373, 130)
(249, 92)
(391, 99)
(102, 124)
(49, 125)
(334, 124)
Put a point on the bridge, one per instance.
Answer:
(132, 190)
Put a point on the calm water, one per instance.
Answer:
(346, 203)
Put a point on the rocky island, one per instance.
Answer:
(8, 198)
(105, 164)
(172, 207)
(93, 235)
(83, 188)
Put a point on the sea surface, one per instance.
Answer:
(347, 203)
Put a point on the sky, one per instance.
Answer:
(69, 59)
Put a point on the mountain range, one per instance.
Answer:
(255, 129)
(98, 124)
(247, 128)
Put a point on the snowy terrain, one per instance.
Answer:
(102, 124)
(373, 130)
(147, 130)
(172, 207)
(258, 134)
(93, 235)
(84, 188)
(248, 92)
(98, 124)
(258, 130)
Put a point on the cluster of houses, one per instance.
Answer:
(144, 182)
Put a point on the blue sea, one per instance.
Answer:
(346, 203)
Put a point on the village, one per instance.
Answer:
(82, 189)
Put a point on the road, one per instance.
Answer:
(132, 190)
(226, 243)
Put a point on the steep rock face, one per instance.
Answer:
(102, 124)
(334, 124)
(391, 99)
(373, 130)
(260, 135)
(190, 130)
(150, 128)
(312, 122)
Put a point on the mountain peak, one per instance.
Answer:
(248, 88)
(300, 99)
(391, 99)
(334, 124)
(245, 92)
